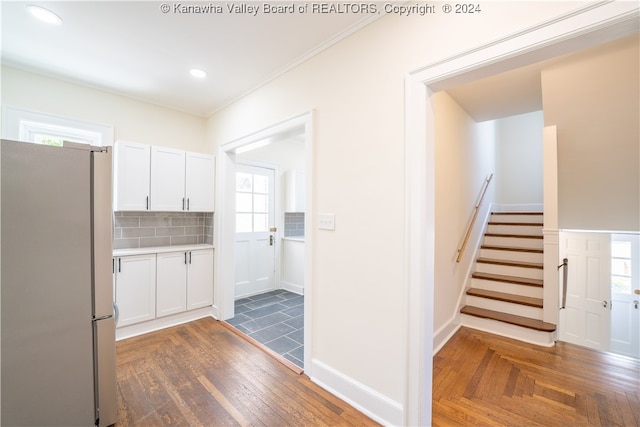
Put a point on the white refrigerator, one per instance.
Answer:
(57, 318)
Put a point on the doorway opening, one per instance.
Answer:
(264, 260)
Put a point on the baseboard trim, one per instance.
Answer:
(292, 287)
(368, 401)
(444, 334)
(130, 331)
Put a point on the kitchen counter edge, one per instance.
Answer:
(159, 249)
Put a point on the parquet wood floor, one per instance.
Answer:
(484, 379)
(202, 374)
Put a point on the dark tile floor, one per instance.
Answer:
(275, 319)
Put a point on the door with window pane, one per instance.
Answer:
(255, 243)
(625, 302)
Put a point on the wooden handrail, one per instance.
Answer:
(473, 220)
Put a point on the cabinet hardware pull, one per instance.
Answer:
(185, 257)
(147, 202)
(183, 203)
(189, 257)
(119, 265)
(187, 203)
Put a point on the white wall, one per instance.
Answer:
(518, 178)
(592, 98)
(464, 154)
(133, 120)
(356, 89)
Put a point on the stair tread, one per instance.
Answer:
(510, 263)
(517, 213)
(518, 236)
(518, 224)
(506, 297)
(508, 279)
(512, 319)
(511, 248)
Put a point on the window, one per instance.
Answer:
(252, 202)
(41, 128)
(621, 267)
(624, 259)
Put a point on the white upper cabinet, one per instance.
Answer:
(294, 193)
(151, 178)
(200, 176)
(132, 174)
(167, 179)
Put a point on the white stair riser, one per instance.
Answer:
(512, 331)
(529, 230)
(505, 270)
(511, 255)
(516, 218)
(505, 307)
(513, 241)
(510, 288)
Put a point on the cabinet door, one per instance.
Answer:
(200, 279)
(131, 176)
(200, 182)
(294, 194)
(167, 179)
(136, 288)
(171, 283)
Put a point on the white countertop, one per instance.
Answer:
(159, 249)
(294, 238)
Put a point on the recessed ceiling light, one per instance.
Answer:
(198, 73)
(45, 15)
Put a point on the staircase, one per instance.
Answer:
(506, 295)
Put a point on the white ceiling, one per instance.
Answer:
(134, 49)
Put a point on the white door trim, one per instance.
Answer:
(225, 221)
(587, 26)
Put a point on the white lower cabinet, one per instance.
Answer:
(200, 279)
(171, 283)
(185, 281)
(158, 285)
(135, 288)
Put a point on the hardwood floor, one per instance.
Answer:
(202, 374)
(484, 379)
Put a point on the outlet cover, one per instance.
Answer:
(326, 222)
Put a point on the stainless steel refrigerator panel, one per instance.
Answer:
(105, 333)
(46, 329)
(102, 239)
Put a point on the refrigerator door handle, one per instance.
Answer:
(116, 313)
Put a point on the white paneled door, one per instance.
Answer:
(625, 294)
(586, 318)
(255, 243)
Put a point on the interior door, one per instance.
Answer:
(255, 242)
(586, 318)
(625, 302)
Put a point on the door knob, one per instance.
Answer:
(636, 291)
(604, 304)
(635, 303)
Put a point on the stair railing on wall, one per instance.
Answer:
(476, 209)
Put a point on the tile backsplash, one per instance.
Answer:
(294, 224)
(145, 229)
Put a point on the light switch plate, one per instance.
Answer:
(326, 222)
